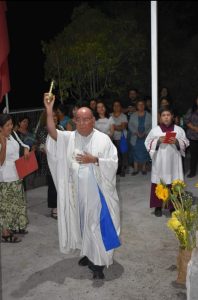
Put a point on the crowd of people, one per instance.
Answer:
(146, 150)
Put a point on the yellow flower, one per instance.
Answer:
(196, 185)
(162, 192)
(178, 182)
(175, 214)
(173, 223)
(178, 185)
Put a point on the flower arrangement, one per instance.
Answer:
(184, 220)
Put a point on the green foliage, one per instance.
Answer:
(184, 221)
(95, 54)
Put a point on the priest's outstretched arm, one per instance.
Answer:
(49, 102)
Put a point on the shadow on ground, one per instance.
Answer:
(67, 268)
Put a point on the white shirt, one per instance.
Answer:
(104, 125)
(118, 121)
(8, 172)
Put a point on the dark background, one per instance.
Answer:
(29, 22)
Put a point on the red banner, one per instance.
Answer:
(4, 51)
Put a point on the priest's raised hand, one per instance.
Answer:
(48, 100)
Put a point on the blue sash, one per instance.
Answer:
(108, 232)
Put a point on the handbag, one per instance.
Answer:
(26, 166)
(123, 144)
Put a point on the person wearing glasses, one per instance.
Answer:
(83, 164)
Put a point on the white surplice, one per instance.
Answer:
(167, 160)
(78, 200)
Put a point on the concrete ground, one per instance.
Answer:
(144, 266)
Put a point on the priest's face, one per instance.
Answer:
(84, 121)
(166, 118)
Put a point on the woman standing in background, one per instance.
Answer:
(24, 133)
(139, 125)
(103, 122)
(191, 120)
(44, 169)
(62, 113)
(119, 119)
(71, 125)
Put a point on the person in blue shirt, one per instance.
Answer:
(62, 112)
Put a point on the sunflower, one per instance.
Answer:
(178, 186)
(173, 223)
(162, 192)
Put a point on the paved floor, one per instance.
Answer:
(144, 265)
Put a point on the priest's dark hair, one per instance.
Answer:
(166, 108)
(4, 118)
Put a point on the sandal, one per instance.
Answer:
(10, 238)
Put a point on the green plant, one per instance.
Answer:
(184, 220)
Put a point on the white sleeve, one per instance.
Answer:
(183, 141)
(151, 143)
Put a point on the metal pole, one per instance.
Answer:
(154, 63)
(7, 103)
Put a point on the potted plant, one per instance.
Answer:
(183, 221)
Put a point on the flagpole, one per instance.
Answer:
(154, 63)
(7, 103)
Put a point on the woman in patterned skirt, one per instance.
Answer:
(13, 211)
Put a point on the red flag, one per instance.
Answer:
(4, 51)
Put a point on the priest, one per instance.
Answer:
(166, 154)
(83, 164)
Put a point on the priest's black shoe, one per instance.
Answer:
(98, 275)
(84, 261)
(97, 271)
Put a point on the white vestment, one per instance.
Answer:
(166, 161)
(78, 200)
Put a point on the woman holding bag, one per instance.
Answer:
(13, 212)
(139, 126)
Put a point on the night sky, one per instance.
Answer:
(29, 22)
